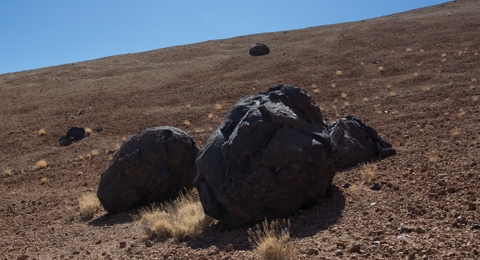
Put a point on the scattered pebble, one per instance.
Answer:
(312, 251)
(123, 244)
(148, 243)
(339, 252)
(228, 248)
(376, 186)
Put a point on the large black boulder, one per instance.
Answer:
(258, 49)
(74, 134)
(152, 166)
(270, 156)
(357, 142)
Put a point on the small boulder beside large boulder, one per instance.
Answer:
(152, 166)
(357, 142)
(270, 156)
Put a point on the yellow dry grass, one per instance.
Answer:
(433, 157)
(88, 131)
(210, 115)
(334, 85)
(188, 106)
(475, 98)
(7, 172)
(181, 219)
(218, 106)
(344, 95)
(316, 91)
(42, 132)
(186, 122)
(40, 165)
(365, 100)
(271, 240)
(393, 93)
(461, 113)
(409, 49)
(339, 73)
(381, 68)
(89, 205)
(444, 55)
(416, 74)
(367, 171)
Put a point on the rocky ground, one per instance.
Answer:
(412, 76)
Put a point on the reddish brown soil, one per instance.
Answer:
(425, 102)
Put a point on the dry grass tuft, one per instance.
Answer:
(271, 240)
(334, 85)
(416, 74)
(316, 91)
(461, 113)
(42, 132)
(181, 219)
(444, 55)
(43, 181)
(475, 98)
(40, 165)
(389, 86)
(218, 106)
(94, 152)
(426, 89)
(367, 171)
(409, 50)
(433, 157)
(381, 69)
(365, 100)
(314, 85)
(88, 131)
(7, 172)
(393, 93)
(210, 115)
(339, 73)
(89, 205)
(346, 104)
(186, 123)
(422, 50)
(344, 95)
(188, 106)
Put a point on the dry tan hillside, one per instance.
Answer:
(412, 76)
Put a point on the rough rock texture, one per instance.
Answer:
(151, 166)
(270, 156)
(357, 142)
(259, 49)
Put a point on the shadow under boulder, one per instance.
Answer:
(152, 166)
(357, 142)
(270, 156)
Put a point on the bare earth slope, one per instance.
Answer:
(412, 76)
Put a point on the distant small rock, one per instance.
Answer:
(376, 186)
(259, 49)
(345, 185)
(148, 243)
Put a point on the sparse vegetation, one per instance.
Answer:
(7, 172)
(344, 95)
(365, 100)
(43, 181)
(181, 219)
(88, 131)
(334, 85)
(271, 240)
(186, 123)
(381, 69)
(339, 73)
(89, 205)
(188, 106)
(409, 50)
(40, 165)
(393, 93)
(416, 74)
(367, 171)
(42, 132)
(218, 106)
(94, 152)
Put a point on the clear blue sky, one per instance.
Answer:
(36, 34)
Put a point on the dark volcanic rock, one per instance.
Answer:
(270, 156)
(65, 141)
(357, 142)
(78, 133)
(259, 49)
(154, 165)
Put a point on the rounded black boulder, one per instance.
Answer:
(77, 133)
(259, 49)
(270, 156)
(152, 166)
(357, 142)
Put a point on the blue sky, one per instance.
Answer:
(36, 34)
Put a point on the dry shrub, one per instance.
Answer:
(367, 171)
(89, 205)
(88, 131)
(180, 219)
(40, 165)
(7, 172)
(270, 240)
(42, 132)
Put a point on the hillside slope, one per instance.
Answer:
(413, 76)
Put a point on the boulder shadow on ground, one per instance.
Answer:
(305, 223)
(114, 219)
